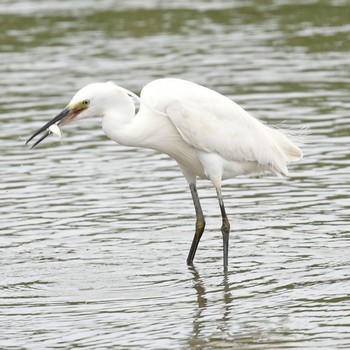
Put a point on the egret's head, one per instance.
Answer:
(92, 100)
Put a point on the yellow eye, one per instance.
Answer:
(85, 103)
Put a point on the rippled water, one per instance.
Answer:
(94, 236)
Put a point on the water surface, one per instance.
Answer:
(94, 236)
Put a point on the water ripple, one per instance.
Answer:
(94, 236)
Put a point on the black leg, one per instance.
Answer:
(225, 228)
(200, 224)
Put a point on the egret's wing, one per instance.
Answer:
(228, 130)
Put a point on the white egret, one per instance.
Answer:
(209, 136)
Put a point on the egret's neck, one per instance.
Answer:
(117, 118)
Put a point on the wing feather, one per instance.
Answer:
(230, 131)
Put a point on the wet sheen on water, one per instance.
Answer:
(94, 236)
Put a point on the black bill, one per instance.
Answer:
(56, 120)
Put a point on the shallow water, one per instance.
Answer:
(94, 236)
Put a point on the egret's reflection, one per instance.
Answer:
(199, 287)
(227, 300)
(199, 322)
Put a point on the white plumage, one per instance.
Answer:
(214, 124)
(208, 135)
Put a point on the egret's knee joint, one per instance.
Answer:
(200, 225)
(225, 228)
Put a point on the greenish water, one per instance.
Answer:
(94, 236)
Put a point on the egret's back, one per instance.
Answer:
(212, 123)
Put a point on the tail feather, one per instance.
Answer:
(285, 152)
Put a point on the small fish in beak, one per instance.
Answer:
(55, 129)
